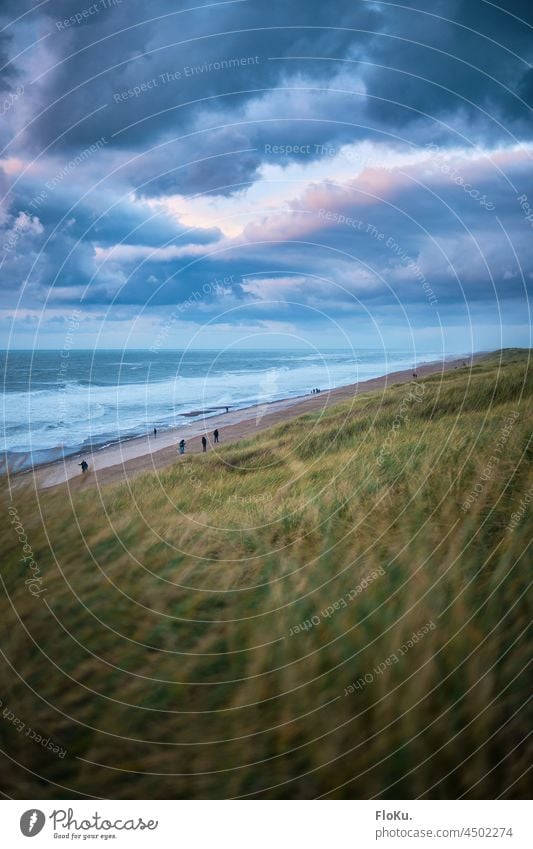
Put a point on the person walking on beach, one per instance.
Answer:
(155, 431)
(215, 435)
(227, 409)
(84, 466)
(204, 444)
(182, 446)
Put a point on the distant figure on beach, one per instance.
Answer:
(215, 435)
(182, 446)
(204, 444)
(155, 431)
(84, 466)
(415, 375)
(227, 409)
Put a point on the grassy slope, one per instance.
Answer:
(169, 607)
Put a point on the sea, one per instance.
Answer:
(61, 403)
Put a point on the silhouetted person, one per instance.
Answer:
(227, 409)
(84, 466)
(155, 431)
(182, 446)
(204, 444)
(215, 435)
(415, 375)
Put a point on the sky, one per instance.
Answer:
(266, 174)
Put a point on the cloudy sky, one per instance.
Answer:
(266, 173)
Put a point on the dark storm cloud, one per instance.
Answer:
(8, 75)
(48, 239)
(466, 59)
(138, 77)
(407, 244)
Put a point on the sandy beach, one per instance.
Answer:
(128, 458)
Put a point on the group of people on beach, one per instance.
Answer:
(315, 391)
(182, 444)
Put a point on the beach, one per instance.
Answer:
(309, 603)
(128, 458)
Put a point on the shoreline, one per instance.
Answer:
(133, 456)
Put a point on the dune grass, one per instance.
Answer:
(242, 623)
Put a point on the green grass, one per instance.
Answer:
(161, 655)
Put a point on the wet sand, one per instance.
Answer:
(124, 460)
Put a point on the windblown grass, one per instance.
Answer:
(170, 653)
